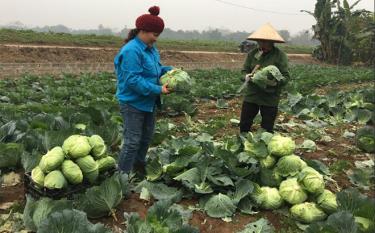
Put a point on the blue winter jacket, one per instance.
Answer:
(138, 70)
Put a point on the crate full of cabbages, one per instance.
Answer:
(63, 171)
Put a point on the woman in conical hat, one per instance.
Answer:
(259, 98)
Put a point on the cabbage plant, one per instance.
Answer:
(269, 177)
(267, 162)
(365, 139)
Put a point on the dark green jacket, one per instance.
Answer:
(270, 96)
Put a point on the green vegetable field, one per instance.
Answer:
(49, 38)
(315, 174)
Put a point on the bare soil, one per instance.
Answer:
(70, 54)
(58, 54)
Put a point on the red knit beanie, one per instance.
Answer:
(150, 22)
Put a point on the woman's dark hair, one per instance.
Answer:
(131, 35)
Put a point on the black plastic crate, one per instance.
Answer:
(68, 192)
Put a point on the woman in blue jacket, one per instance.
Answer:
(138, 70)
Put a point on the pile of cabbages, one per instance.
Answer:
(286, 179)
(80, 158)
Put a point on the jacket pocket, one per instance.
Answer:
(148, 66)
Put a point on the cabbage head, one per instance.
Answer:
(10, 153)
(106, 163)
(307, 212)
(55, 180)
(263, 77)
(268, 198)
(267, 162)
(269, 177)
(37, 176)
(89, 168)
(290, 165)
(92, 176)
(364, 224)
(177, 79)
(327, 201)
(365, 139)
(72, 172)
(87, 164)
(281, 146)
(312, 180)
(52, 160)
(292, 192)
(98, 146)
(367, 144)
(76, 146)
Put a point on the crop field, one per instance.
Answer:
(8, 36)
(315, 174)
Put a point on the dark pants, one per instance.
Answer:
(138, 131)
(249, 112)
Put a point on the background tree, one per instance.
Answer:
(340, 29)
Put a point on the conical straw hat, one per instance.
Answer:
(267, 32)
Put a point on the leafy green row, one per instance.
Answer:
(334, 108)
(32, 37)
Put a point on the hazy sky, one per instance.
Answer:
(177, 14)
